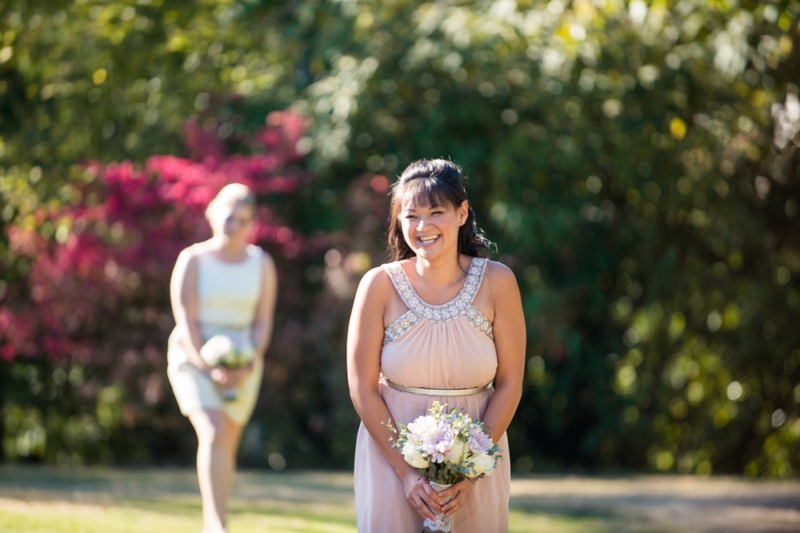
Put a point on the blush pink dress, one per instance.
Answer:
(448, 346)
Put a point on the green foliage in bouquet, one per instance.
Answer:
(227, 352)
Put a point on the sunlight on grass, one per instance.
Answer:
(66, 517)
(51, 500)
(137, 516)
(56, 517)
(63, 517)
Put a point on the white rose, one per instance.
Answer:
(413, 457)
(423, 428)
(483, 464)
(241, 352)
(215, 349)
(456, 451)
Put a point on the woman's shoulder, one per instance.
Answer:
(499, 276)
(263, 257)
(189, 255)
(376, 281)
(496, 268)
(196, 250)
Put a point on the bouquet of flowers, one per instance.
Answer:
(446, 447)
(227, 351)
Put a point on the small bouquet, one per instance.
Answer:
(446, 446)
(227, 351)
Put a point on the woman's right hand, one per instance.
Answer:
(421, 495)
(218, 375)
(232, 378)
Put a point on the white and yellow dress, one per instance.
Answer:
(227, 295)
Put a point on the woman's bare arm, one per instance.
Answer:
(265, 312)
(364, 341)
(509, 339)
(183, 295)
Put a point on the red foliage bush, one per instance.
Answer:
(84, 319)
(117, 245)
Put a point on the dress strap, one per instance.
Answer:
(477, 270)
(402, 285)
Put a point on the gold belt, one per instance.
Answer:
(439, 392)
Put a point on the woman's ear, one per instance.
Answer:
(463, 212)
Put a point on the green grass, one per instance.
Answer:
(49, 500)
(52, 500)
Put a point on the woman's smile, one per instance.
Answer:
(428, 239)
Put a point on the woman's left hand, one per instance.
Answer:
(458, 492)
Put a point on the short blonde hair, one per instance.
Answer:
(231, 194)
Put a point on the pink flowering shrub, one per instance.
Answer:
(93, 293)
(120, 243)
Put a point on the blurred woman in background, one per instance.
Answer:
(222, 287)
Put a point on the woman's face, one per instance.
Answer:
(233, 221)
(432, 231)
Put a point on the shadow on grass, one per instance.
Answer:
(542, 518)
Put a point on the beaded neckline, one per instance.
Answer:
(418, 309)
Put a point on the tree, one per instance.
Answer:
(623, 159)
(635, 162)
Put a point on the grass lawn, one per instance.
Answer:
(49, 500)
(52, 500)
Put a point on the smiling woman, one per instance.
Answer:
(442, 324)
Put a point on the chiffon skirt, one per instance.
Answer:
(381, 505)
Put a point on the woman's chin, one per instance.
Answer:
(233, 239)
(428, 252)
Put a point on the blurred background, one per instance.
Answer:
(635, 162)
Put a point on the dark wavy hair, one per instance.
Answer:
(433, 182)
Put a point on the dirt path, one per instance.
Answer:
(668, 503)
